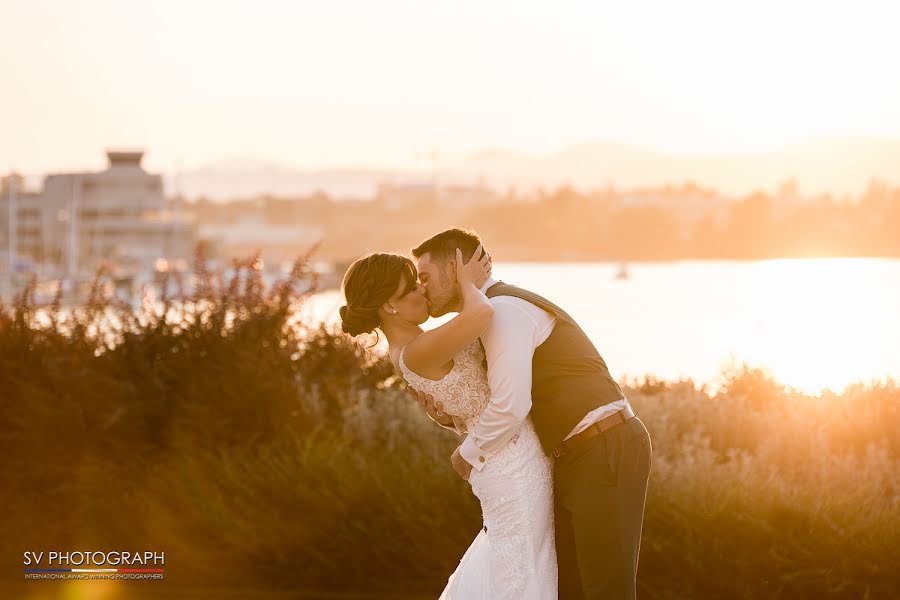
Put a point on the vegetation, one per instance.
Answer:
(662, 223)
(259, 450)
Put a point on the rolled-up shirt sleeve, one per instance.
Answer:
(509, 344)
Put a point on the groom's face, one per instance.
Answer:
(441, 289)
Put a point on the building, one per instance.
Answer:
(276, 242)
(411, 196)
(79, 220)
(27, 221)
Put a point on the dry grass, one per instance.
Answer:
(212, 428)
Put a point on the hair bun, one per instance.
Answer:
(356, 321)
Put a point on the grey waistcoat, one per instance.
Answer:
(569, 377)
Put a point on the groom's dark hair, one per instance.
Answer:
(442, 247)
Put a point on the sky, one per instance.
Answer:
(383, 83)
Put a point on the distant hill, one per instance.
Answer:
(839, 165)
(835, 165)
(237, 178)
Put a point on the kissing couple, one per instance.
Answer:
(551, 447)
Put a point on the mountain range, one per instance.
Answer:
(836, 165)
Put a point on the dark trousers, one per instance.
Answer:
(599, 493)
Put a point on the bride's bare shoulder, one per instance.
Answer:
(418, 358)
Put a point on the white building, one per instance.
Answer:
(277, 242)
(81, 219)
(27, 221)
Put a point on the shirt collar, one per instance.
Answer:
(487, 284)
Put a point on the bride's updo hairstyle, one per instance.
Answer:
(368, 284)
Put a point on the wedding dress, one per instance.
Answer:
(514, 554)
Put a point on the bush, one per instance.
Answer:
(260, 450)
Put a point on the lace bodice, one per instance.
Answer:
(464, 391)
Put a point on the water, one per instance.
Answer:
(812, 324)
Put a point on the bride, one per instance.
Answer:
(513, 556)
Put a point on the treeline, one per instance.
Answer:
(687, 222)
(570, 225)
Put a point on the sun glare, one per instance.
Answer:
(813, 327)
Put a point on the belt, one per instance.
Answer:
(594, 430)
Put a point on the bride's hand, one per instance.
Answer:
(476, 271)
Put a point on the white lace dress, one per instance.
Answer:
(514, 554)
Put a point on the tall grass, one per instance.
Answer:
(258, 450)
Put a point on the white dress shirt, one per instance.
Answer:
(518, 327)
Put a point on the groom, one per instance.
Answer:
(541, 363)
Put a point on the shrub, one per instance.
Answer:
(255, 448)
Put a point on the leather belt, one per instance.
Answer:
(593, 431)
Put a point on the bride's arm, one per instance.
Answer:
(434, 349)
